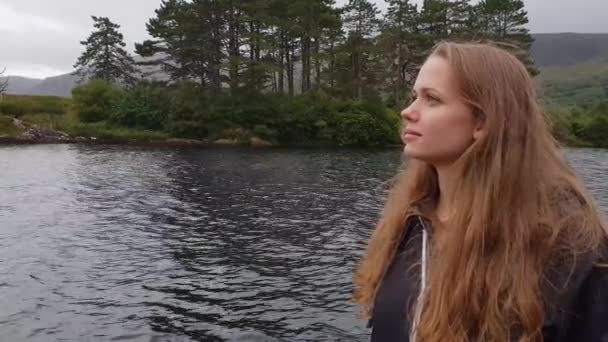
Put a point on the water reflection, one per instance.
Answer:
(138, 244)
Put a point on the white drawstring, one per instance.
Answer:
(423, 266)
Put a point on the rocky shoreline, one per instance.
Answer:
(172, 142)
(36, 135)
(33, 134)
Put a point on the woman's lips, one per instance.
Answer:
(410, 135)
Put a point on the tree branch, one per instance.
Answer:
(3, 82)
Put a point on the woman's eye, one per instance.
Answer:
(428, 98)
(432, 99)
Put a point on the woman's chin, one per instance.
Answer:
(410, 152)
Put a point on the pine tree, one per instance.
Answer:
(236, 28)
(166, 47)
(504, 21)
(314, 18)
(175, 46)
(360, 21)
(334, 38)
(446, 19)
(258, 45)
(258, 41)
(282, 16)
(105, 57)
(401, 16)
(400, 46)
(434, 19)
(460, 19)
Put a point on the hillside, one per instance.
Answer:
(581, 84)
(567, 49)
(52, 86)
(21, 85)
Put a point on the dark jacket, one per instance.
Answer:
(582, 315)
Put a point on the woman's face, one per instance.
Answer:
(440, 126)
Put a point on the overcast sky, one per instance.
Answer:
(40, 38)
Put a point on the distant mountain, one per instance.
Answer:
(573, 67)
(58, 85)
(568, 49)
(20, 85)
(551, 51)
(55, 86)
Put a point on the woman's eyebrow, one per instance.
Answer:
(425, 90)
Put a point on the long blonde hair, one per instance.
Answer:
(520, 211)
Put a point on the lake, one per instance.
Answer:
(106, 243)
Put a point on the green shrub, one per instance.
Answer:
(596, 131)
(359, 128)
(95, 100)
(143, 106)
(562, 123)
(264, 132)
(188, 129)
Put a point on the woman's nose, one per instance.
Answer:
(410, 114)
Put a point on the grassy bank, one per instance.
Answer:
(59, 114)
(153, 113)
(579, 85)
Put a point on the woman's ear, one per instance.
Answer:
(478, 132)
(480, 124)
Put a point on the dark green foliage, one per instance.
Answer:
(581, 126)
(96, 100)
(143, 106)
(105, 57)
(505, 21)
(189, 111)
(296, 46)
(360, 124)
(596, 131)
(593, 127)
(402, 41)
(303, 72)
(309, 119)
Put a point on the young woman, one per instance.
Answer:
(487, 234)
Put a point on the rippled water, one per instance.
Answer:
(115, 243)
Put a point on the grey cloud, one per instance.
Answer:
(50, 40)
(56, 43)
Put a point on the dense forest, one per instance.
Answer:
(290, 72)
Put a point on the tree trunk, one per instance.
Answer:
(234, 53)
(332, 64)
(216, 57)
(304, 42)
(258, 78)
(290, 70)
(317, 64)
(356, 61)
(281, 62)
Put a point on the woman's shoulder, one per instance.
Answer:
(580, 312)
(590, 306)
(595, 268)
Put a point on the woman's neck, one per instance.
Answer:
(448, 176)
